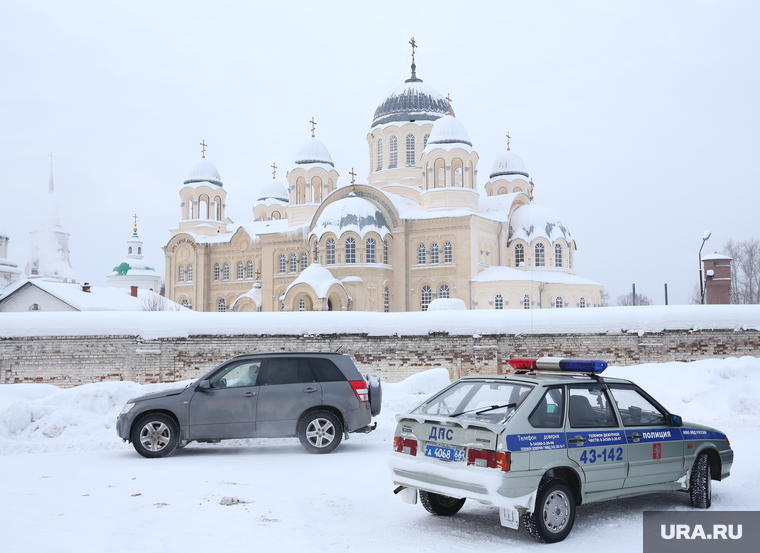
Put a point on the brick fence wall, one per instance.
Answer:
(71, 361)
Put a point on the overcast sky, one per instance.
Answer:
(638, 121)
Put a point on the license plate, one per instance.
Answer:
(444, 453)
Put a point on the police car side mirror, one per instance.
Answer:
(673, 420)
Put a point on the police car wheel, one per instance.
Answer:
(441, 505)
(700, 489)
(155, 435)
(554, 514)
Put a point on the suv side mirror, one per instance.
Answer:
(204, 385)
(673, 420)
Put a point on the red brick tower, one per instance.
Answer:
(717, 275)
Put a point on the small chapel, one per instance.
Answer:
(420, 227)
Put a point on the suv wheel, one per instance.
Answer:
(375, 390)
(700, 488)
(441, 505)
(320, 432)
(554, 515)
(155, 435)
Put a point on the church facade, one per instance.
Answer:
(420, 228)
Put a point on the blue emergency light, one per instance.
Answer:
(590, 366)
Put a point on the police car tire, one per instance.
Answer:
(441, 505)
(700, 489)
(550, 491)
(159, 432)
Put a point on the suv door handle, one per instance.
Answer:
(309, 390)
(635, 437)
(249, 394)
(577, 440)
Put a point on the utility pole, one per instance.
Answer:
(634, 294)
(666, 293)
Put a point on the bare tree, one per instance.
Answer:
(605, 297)
(745, 270)
(154, 302)
(627, 299)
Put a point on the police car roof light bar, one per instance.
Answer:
(589, 366)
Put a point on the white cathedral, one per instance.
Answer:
(421, 228)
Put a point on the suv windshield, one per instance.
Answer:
(485, 401)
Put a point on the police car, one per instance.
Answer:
(552, 436)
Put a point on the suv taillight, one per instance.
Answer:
(491, 459)
(405, 445)
(360, 389)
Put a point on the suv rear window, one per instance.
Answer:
(326, 371)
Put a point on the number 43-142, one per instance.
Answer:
(603, 455)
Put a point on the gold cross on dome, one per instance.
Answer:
(274, 170)
(353, 175)
(313, 126)
(203, 149)
(135, 217)
(414, 45)
(448, 99)
(508, 139)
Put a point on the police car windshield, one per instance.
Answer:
(487, 401)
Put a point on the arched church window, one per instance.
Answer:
(433, 253)
(293, 263)
(379, 154)
(218, 208)
(203, 207)
(330, 251)
(276, 216)
(221, 305)
(249, 271)
(448, 253)
(441, 182)
(182, 273)
(411, 155)
(557, 255)
(502, 190)
(139, 250)
(582, 303)
(519, 254)
(226, 271)
(283, 263)
(350, 250)
(426, 294)
(185, 303)
(559, 303)
(217, 272)
(421, 254)
(385, 251)
(130, 250)
(240, 270)
(444, 291)
(458, 176)
(189, 273)
(393, 161)
(370, 247)
(304, 261)
(424, 141)
(526, 301)
(302, 304)
(386, 300)
(498, 302)
(540, 259)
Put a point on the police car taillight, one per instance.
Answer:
(490, 459)
(405, 445)
(592, 366)
(360, 389)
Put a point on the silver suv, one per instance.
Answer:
(553, 436)
(319, 397)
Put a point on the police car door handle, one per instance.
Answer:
(309, 390)
(577, 440)
(635, 437)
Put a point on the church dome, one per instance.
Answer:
(203, 171)
(449, 130)
(313, 151)
(274, 189)
(351, 214)
(533, 221)
(508, 164)
(412, 101)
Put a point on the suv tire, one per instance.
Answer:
(155, 435)
(320, 432)
(375, 389)
(700, 488)
(554, 514)
(441, 505)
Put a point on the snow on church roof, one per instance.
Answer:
(547, 275)
(412, 101)
(313, 151)
(316, 276)
(351, 214)
(448, 130)
(274, 189)
(507, 164)
(203, 171)
(533, 221)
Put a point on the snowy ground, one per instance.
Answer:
(69, 484)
